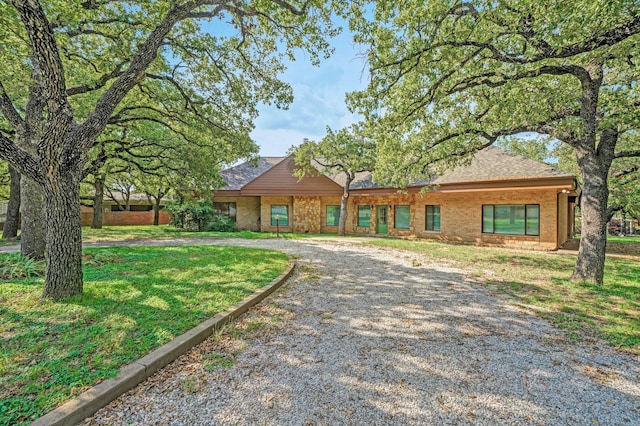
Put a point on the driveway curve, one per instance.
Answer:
(369, 336)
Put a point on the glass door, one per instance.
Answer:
(382, 219)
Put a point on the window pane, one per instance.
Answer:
(533, 219)
(225, 209)
(433, 218)
(282, 213)
(509, 219)
(402, 217)
(333, 215)
(487, 219)
(364, 216)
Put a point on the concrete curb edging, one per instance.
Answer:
(90, 401)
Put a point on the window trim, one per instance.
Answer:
(326, 214)
(368, 207)
(395, 216)
(273, 221)
(526, 216)
(228, 212)
(426, 218)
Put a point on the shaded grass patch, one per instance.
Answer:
(135, 299)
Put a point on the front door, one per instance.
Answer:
(382, 219)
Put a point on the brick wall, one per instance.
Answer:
(126, 218)
(461, 216)
(247, 211)
(265, 213)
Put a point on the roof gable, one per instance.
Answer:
(279, 180)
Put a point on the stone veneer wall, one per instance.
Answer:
(376, 200)
(330, 201)
(307, 214)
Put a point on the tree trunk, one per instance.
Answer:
(96, 223)
(593, 208)
(156, 211)
(64, 238)
(12, 219)
(343, 205)
(32, 235)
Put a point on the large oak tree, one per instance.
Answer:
(450, 77)
(230, 51)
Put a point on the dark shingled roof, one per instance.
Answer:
(493, 163)
(240, 175)
(490, 164)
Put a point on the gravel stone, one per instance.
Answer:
(362, 335)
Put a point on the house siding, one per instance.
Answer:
(265, 213)
(247, 211)
(461, 216)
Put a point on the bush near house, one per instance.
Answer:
(199, 216)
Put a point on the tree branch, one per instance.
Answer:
(21, 160)
(9, 111)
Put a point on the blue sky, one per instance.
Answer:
(319, 94)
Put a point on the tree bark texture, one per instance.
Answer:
(96, 222)
(32, 236)
(12, 219)
(593, 208)
(64, 237)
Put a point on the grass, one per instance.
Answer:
(540, 282)
(135, 300)
(633, 239)
(125, 233)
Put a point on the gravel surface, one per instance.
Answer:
(369, 336)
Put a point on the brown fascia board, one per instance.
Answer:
(227, 193)
(562, 182)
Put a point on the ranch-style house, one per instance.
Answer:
(499, 198)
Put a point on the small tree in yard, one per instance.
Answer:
(347, 151)
(74, 63)
(449, 78)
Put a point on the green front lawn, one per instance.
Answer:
(540, 282)
(126, 233)
(134, 301)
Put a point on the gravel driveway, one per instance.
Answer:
(369, 336)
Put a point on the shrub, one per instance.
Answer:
(221, 224)
(12, 265)
(192, 215)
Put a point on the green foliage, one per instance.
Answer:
(192, 215)
(448, 78)
(12, 266)
(221, 224)
(135, 300)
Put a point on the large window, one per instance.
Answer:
(432, 218)
(225, 209)
(401, 217)
(333, 215)
(364, 216)
(281, 213)
(512, 219)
